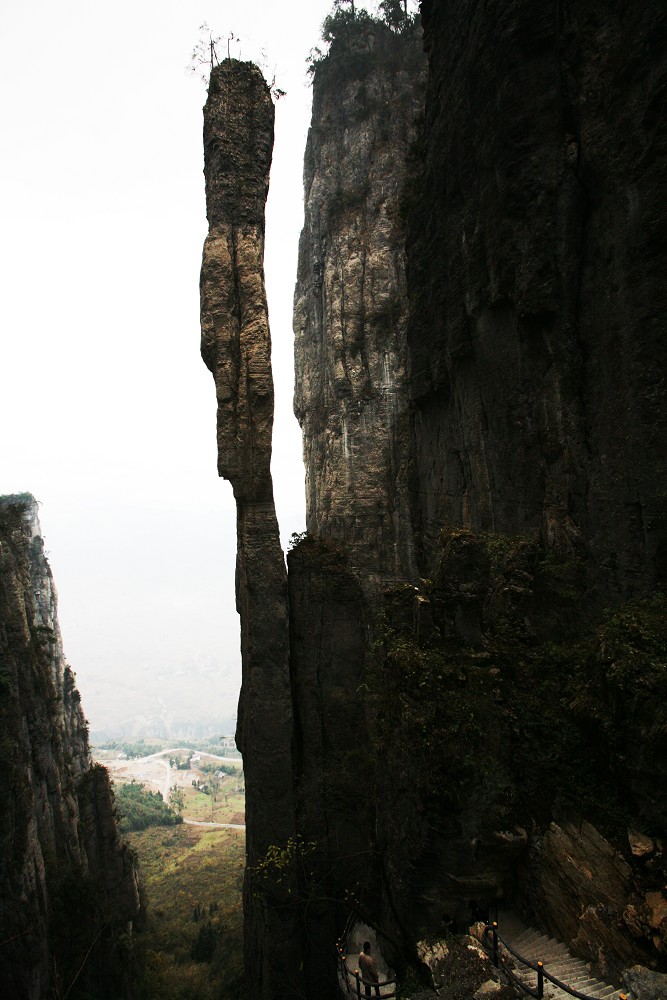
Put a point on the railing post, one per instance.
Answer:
(540, 980)
(358, 978)
(495, 943)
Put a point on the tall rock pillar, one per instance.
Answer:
(236, 347)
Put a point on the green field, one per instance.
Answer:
(192, 879)
(227, 806)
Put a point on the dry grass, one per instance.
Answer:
(229, 806)
(185, 869)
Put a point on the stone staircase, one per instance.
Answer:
(558, 961)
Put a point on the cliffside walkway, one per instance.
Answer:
(350, 980)
(542, 967)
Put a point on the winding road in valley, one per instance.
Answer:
(155, 771)
(167, 785)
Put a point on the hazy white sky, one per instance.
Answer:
(107, 411)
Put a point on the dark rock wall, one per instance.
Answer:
(65, 873)
(536, 280)
(351, 398)
(519, 470)
(238, 144)
(335, 805)
(479, 381)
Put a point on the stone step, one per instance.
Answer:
(555, 956)
(543, 944)
(575, 967)
(560, 963)
(529, 938)
(543, 951)
(583, 984)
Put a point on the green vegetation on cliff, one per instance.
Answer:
(346, 20)
(514, 719)
(347, 28)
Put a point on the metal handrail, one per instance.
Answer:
(370, 988)
(537, 967)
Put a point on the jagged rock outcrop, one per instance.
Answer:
(586, 893)
(350, 308)
(536, 280)
(68, 883)
(238, 144)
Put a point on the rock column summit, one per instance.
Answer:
(236, 347)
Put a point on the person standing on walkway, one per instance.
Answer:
(368, 969)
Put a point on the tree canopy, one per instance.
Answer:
(140, 808)
(344, 17)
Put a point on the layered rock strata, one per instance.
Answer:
(585, 891)
(350, 309)
(235, 343)
(68, 883)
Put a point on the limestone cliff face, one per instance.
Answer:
(350, 311)
(536, 267)
(65, 874)
(444, 714)
(511, 457)
(238, 144)
(352, 400)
